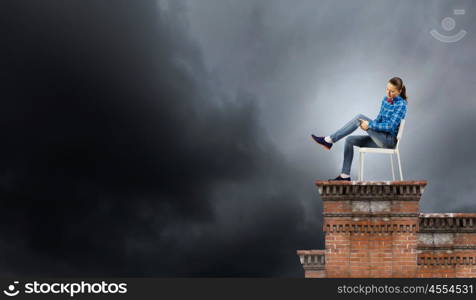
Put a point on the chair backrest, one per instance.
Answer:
(400, 132)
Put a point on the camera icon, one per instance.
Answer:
(449, 24)
(10, 291)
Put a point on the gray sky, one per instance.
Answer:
(313, 65)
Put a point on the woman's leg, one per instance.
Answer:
(348, 128)
(350, 142)
(382, 139)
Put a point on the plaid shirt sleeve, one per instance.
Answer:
(392, 123)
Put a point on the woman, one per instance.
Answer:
(382, 132)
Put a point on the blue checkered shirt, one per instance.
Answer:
(389, 117)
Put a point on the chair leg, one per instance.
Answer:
(391, 163)
(361, 169)
(399, 165)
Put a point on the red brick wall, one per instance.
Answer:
(371, 247)
(404, 255)
(315, 274)
(381, 252)
(337, 254)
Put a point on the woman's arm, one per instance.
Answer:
(392, 123)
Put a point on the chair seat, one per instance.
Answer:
(377, 150)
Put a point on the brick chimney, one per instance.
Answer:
(372, 229)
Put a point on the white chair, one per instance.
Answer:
(364, 150)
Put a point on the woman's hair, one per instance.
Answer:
(398, 83)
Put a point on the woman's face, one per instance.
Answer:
(392, 91)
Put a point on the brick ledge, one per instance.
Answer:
(408, 182)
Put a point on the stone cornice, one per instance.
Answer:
(369, 228)
(446, 260)
(370, 190)
(446, 247)
(370, 215)
(312, 259)
(447, 222)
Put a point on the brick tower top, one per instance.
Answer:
(371, 190)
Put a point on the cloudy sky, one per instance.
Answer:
(172, 137)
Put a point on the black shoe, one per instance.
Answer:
(321, 141)
(338, 178)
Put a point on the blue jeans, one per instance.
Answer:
(374, 139)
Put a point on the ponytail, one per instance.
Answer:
(403, 93)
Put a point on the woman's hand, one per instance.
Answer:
(364, 125)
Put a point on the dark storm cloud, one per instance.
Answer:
(122, 156)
